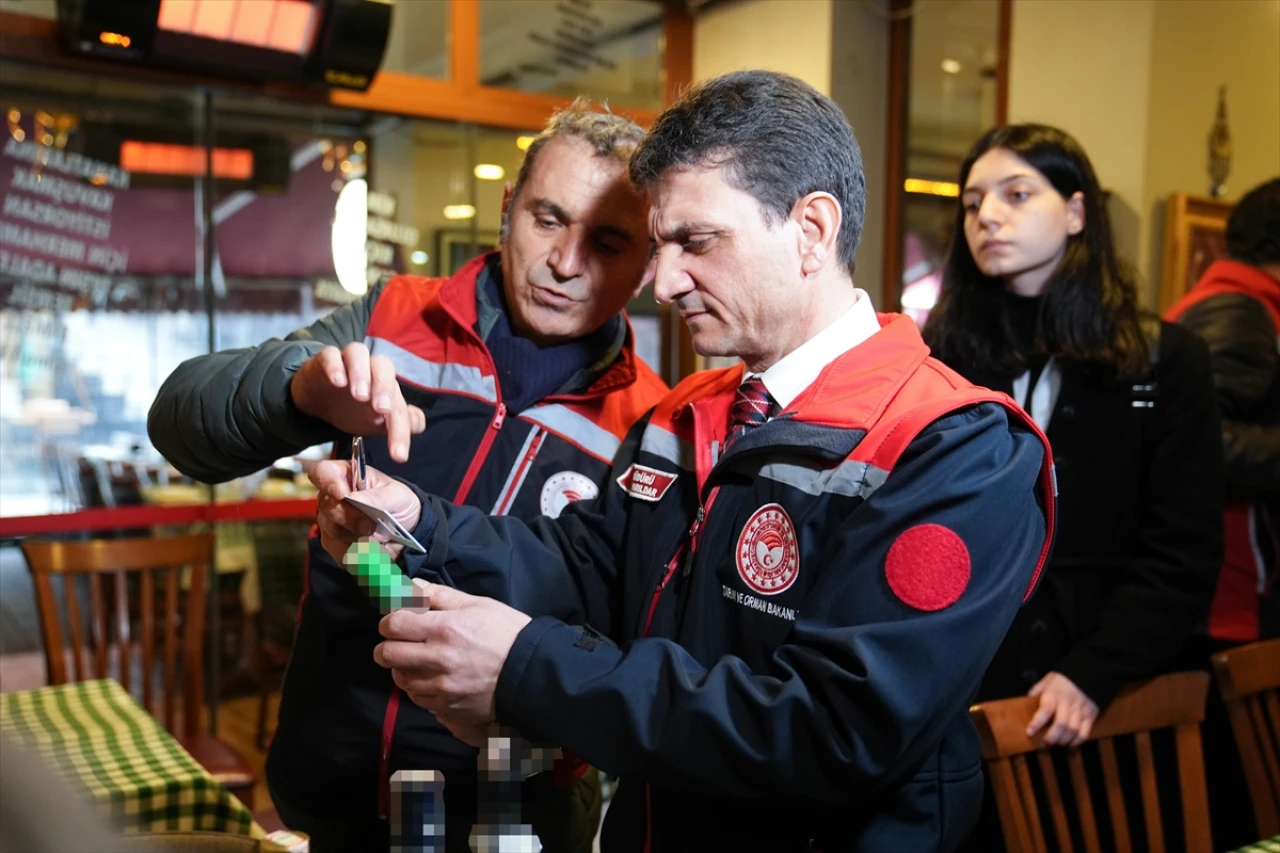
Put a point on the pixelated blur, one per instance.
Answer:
(504, 837)
(381, 579)
(509, 756)
(417, 811)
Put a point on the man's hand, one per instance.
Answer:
(448, 660)
(341, 524)
(1072, 712)
(358, 394)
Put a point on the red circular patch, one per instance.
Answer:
(928, 567)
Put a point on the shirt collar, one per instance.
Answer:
(798, 369)
(489, 297)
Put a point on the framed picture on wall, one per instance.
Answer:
(1195, 235)
(454, 247)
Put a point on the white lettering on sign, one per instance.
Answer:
(62, 191)
(35, 298)
(67, 219)
(40, 241)
(392, 232)
(766, 607)
(380, 254)
(382, 204)
(108, 259)
(645, 483)
(69, 163)
(28, 269)
(330, 291)
(82, 280)
(41, 213)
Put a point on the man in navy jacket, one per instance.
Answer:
(773, 619)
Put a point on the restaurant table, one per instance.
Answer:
(1266, 845)
(94, 736)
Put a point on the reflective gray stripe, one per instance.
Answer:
(849, 478)
(435, 375)
(668, 445)
(576, 428)
(1258, 561)
(516, 478)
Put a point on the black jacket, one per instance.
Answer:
(1246, 370)
(1139, 538)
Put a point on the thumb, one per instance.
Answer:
(331, 477)
(1042, 716)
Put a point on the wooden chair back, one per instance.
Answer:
(157, 562)
(1168, 702)
(1249, 681)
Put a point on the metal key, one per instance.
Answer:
(357, 464)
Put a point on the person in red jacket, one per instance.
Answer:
(1235, 309)
(507, 387)
(772, 620)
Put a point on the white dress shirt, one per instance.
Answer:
(798, 369)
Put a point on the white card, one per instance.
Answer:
(387, 525)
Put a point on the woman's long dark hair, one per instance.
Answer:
(1089, 314)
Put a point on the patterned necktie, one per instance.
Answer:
(752, 407)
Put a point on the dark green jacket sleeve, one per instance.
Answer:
(227, 414)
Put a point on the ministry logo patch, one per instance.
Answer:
(768, 555)
(564, 488)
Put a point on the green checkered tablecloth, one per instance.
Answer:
(95, 736)
(1266, 845)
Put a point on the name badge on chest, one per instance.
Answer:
(645, 483)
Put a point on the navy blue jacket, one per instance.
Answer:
(782, 643)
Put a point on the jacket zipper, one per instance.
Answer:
(482, 452)
(518, 473)
(393, 703)
(684, 553)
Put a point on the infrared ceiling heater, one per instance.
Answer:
(329, 43)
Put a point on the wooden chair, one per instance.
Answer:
(1249, 680)
(1172, 701)
(157, 562)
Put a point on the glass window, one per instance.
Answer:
(609, 50)
(98, 282)
(447, 180)
(952, 102)
(418, 43)
(278, 255)
(102, 291)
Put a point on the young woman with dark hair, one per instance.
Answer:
(1035, 303)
